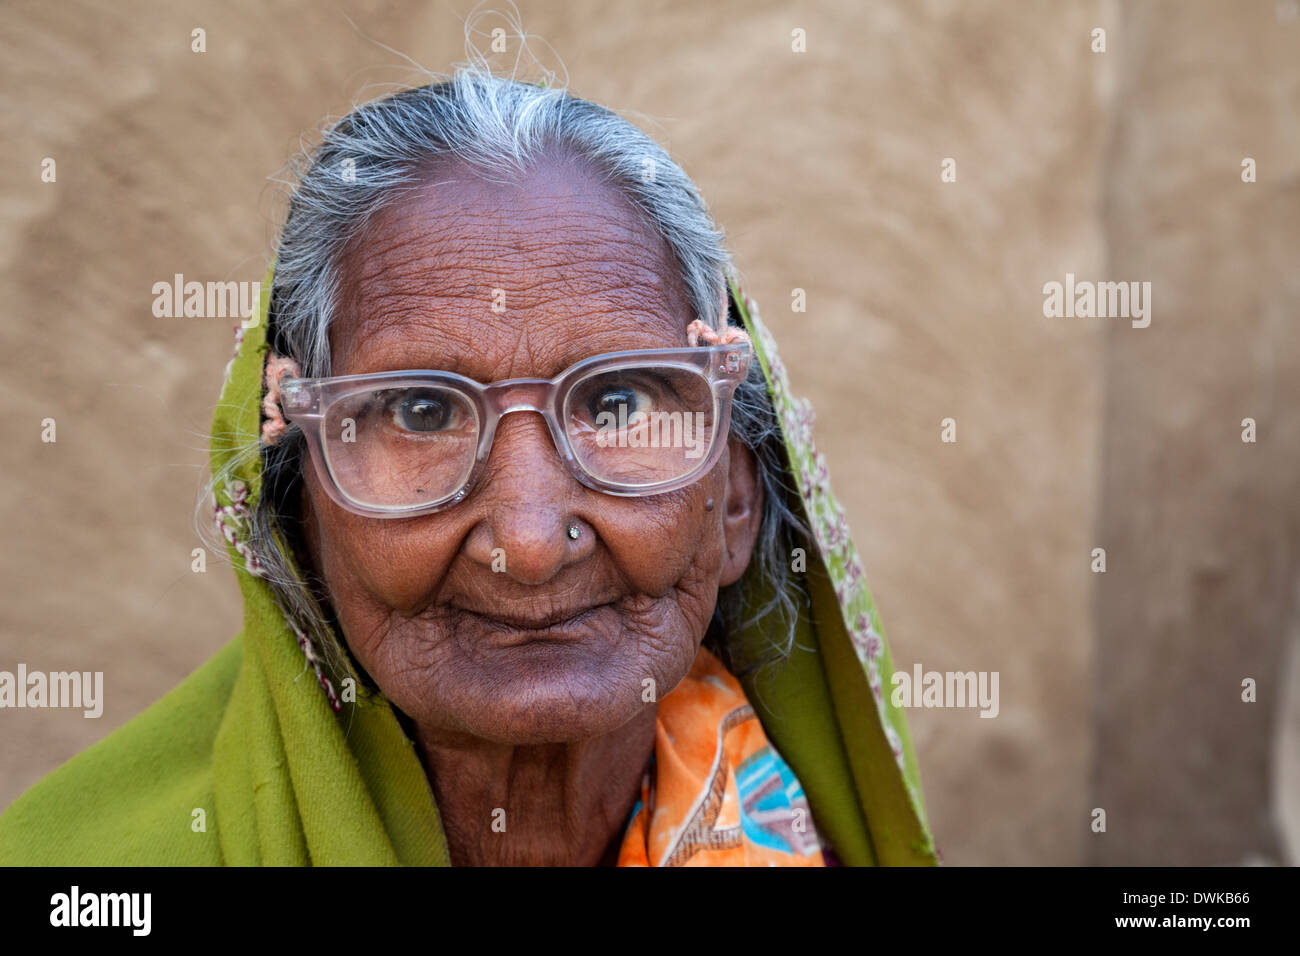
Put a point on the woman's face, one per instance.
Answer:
(561, 644)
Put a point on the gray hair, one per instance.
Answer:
(382, 151)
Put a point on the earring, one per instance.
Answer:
(573, 531)
(708, 505)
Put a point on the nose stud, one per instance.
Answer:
(573, 532)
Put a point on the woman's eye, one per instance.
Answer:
(615, 401)
(424, 411)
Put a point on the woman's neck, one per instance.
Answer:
(563, 804)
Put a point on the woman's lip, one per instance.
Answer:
(553, 622)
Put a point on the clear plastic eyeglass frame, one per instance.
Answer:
(307, 402)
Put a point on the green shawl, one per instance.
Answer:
(246, 762)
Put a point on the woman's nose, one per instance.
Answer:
(526, 496)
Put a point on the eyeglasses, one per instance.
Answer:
(400, 444)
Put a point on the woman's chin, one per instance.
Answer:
(551, 712)
(553, 694)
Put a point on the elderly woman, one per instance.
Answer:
(509, 469)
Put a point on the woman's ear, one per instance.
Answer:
(742, 512)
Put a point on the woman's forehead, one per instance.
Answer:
(506, 280)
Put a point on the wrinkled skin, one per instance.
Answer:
(525, 687)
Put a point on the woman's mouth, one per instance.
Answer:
(560, 626)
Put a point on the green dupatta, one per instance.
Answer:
(248, 762)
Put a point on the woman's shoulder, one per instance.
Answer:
(140, 796)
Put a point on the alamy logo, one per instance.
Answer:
(1100, 300)
(653, 430)
(946, 689)
(57, 689)
(102, 909)
(206, 300)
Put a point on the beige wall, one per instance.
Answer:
(1119, 691)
